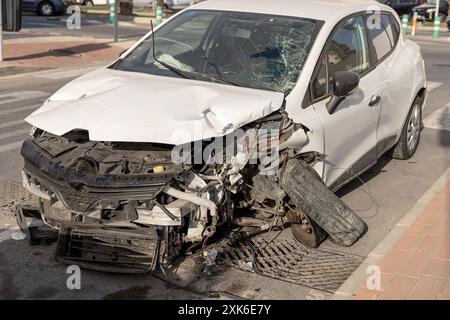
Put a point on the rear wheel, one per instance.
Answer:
(46, 8)
(410, 137)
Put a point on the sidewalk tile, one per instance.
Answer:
(444, 250)
(426, 289)
(398, 289)
(408, 242)
(438, 268)
(444, 291)
(446, 191)
(416, 263)
(440, 227)
(418, 229)
(393, 261)
(366, 294)
(431, 242)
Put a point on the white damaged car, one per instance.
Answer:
(247, 113)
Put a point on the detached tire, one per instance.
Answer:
(319, 203)
(410, 136)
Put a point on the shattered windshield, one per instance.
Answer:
(244, 49)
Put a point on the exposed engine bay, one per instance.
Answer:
(157, 201)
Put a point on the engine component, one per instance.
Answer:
(109, 249)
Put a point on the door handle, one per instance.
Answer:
(374, 101)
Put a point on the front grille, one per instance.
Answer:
(82, 191)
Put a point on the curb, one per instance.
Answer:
(429, 38)
(140, 19)
(349, 287)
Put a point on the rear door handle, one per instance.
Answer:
(374, 101)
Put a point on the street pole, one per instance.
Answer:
(113, 18)
(116, 23)
(1, 30)
(414, 24)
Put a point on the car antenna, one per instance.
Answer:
(173, 69)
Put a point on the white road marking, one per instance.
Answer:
(20, 109)
(11, 146)
(14, 133)
(11, 124)
(433, 85)
(21, 95)
(60, 74)
(440, 119)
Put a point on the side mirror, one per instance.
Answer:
(11, 15)
(344, 84)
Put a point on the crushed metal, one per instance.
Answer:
(12, 193)
(290, 261)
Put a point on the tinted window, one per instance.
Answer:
(382, 36)
(348, 50)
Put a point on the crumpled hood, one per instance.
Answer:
(127, 106)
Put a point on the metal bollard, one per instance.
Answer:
(405, 23)
(159, 14)
(414, 24)
(112, 12)
(437, 27)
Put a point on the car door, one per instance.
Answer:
(395, 76)
(350, 131)
(29, 5)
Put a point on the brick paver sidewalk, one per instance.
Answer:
(55, 53)
(418, 264)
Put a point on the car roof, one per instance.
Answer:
(313, 9)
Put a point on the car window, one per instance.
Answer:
(382, 36)
(253, 50)
(320, 84)
(347, 51)
(395, 28)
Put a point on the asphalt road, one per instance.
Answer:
(390, 189)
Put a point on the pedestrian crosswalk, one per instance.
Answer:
(439, 119)
(431, 85)
(14, 107)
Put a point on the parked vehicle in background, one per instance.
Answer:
(44, 7)
(401, 6)
(91, 3)
(180, 3)
(426, 11)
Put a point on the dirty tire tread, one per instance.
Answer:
(321, 205)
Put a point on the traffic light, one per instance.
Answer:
(11, 15)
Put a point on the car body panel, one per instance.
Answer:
(170, 95)
(158, 109)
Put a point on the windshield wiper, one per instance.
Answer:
(219, 74)
(166, 65)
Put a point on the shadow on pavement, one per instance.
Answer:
(69, 51)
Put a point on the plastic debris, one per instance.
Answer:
(246, 265)
(210, 257)
(18, 235)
